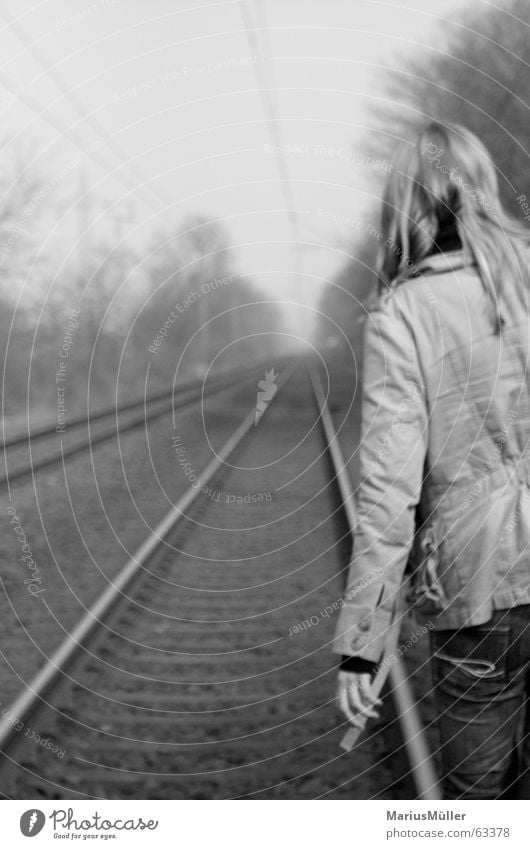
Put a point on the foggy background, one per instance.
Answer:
(148, 148)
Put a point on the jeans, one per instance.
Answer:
(481, 680)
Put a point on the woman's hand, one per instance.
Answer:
(355, 697)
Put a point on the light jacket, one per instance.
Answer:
(444, 458)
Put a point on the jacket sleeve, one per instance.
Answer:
(392, 454)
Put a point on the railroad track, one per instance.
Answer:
(22, 458)
(204, 670)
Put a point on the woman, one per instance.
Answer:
(445, 459)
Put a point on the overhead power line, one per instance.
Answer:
(272, 118)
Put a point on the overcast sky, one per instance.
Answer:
(171, 88)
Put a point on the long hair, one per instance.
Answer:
(445, 178)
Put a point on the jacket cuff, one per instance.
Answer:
(362, 632)
(359, 665)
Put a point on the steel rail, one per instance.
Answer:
(422, 768)
(33, 696)
(194, 394)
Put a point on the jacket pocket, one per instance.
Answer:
(426, 592)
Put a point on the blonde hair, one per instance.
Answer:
(445, 177)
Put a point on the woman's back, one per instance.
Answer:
(477, 381)
(475, 386)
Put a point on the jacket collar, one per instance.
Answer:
(450, 261)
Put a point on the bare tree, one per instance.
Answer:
(475, 74)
